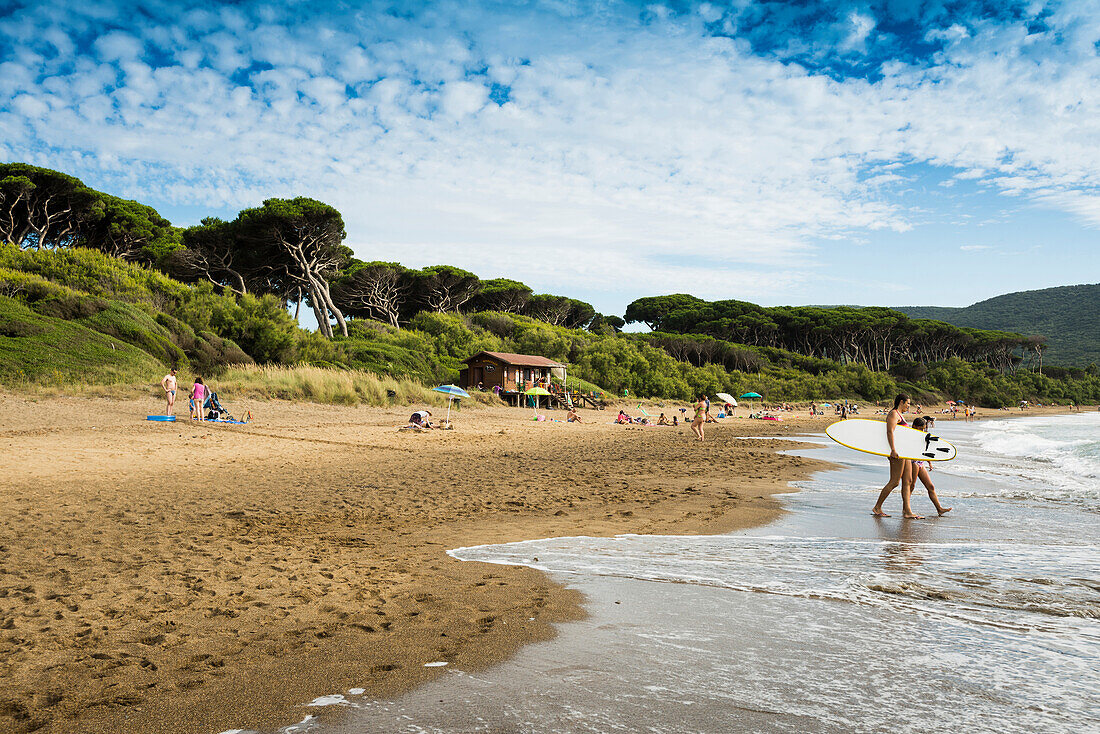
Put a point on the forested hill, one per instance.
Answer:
(1068, 316)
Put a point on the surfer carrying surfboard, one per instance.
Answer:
(901, 470)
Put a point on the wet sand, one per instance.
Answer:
(189, 578)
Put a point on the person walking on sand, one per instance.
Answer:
(169, 385)
(198, 395)
(900, 469)
(921, 468)
(700, 418)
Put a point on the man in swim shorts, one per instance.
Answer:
(169, 385)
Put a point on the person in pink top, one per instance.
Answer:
(198, 395)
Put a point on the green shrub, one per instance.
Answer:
(18, 328)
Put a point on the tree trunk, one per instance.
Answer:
(319, 309)
(323, 289)
(239, 281)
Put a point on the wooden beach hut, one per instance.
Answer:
(509, 374)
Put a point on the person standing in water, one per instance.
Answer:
(169, 385)
(921, 468)
(700, 418)
(901, 470)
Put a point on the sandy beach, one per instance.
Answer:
(191, 578)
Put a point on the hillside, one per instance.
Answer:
(1068, 316)
(74, 317)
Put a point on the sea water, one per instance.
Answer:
(828, 620)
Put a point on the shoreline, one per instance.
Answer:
(309, 547)
(704, 633)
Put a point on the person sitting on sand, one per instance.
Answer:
(573, 417)
(623, 418)
(662, 421)
(198, 397)
(419, 420)
(675, 420)
(169, 385)
(921, 468)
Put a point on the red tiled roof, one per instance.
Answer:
(519, 360)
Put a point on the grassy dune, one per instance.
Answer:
(304, 383)
(325, 385)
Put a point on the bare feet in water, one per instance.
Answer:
(877, 512)
(911, 516)
(944, 510)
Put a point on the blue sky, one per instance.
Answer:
(895, 153)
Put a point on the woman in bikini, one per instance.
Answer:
(901, 470)
(700, 418)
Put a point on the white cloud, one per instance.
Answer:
(32, 108)
(118, 46)
(461, 99)
(860, 26)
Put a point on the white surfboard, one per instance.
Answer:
(870, 437)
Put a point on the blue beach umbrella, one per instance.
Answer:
(452, 392)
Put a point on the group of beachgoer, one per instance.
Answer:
(906, 471)
(624, 418)
(199, 396)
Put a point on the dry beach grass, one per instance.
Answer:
(185, 577)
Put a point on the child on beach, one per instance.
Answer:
(573, 417)
(198, 395)
(169, 385)
(921, 468)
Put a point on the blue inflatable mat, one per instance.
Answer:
(166, 418)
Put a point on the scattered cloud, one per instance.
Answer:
(558, 143)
